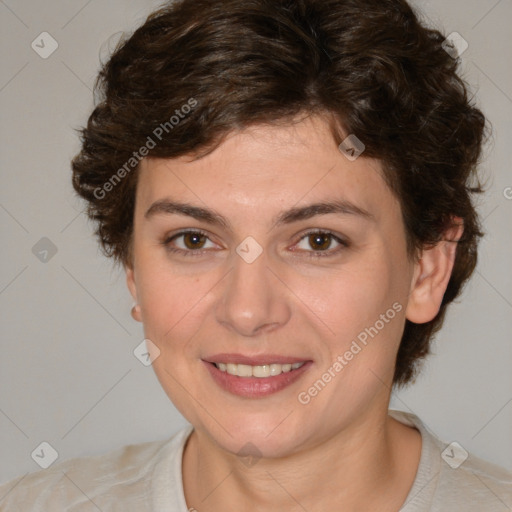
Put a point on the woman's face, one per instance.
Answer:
(264, 279)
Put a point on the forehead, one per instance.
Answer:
(266, 169)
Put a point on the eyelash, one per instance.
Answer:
(313, 254)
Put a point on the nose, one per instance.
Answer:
(253, 301)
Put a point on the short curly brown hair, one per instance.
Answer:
(369, 64)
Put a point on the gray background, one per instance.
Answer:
(68, 375)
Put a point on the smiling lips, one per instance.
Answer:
(255, 377)
(259, 371)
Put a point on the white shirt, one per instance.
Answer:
(147, 477)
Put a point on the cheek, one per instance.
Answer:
(352, 299)
(173, 312)
(365, 310)
(173, 305)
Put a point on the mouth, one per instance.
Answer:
(265, 376)
(259, 371)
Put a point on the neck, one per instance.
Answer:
(370, 465)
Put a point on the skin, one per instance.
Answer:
(341, 447)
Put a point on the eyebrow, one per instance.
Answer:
(294, 214)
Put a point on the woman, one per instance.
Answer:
(287, 186)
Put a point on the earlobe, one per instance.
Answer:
(136, 313)
(432, 274)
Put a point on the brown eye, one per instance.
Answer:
(194, 240)
(320, 241)
(188, 243)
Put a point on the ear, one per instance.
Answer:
(132, 287)
(431, 275)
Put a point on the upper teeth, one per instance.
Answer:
(266, 370)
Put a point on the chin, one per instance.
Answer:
(266, 435)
